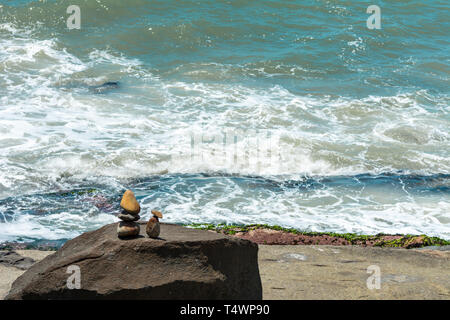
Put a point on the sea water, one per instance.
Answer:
(290, 113)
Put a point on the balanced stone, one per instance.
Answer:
(157, 214)
(128, 229)
(124, 216)
(153, 227)
(129, 203)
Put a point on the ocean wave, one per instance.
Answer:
(53, 126)
(212, 106)
(389, 203)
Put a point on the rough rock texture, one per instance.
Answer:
(153, 227)
(182, 264)
(13, 259)
(274, 235)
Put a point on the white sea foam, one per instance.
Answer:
(65, 225)
(53, 134)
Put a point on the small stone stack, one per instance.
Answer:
(130, 214)
(153, 227)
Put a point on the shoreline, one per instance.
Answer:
(264, 234)
(304, 270)
(275, 235)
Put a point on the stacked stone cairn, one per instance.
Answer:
(129, 215)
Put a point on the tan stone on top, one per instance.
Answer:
(157, 214)
(129, 203)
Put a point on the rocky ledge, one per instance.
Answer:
(275, 235)
(13, 259)
(182, 263)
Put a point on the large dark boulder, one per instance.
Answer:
(182, 264)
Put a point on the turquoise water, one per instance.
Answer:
(281, 112)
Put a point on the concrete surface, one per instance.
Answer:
(331, 272)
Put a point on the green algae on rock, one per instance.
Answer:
(267, 234)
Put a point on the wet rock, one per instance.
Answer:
(105, 87)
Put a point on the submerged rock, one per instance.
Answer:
(105, 87)
(185, 264)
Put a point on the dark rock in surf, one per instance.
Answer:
(105, 87)
(186, 264)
